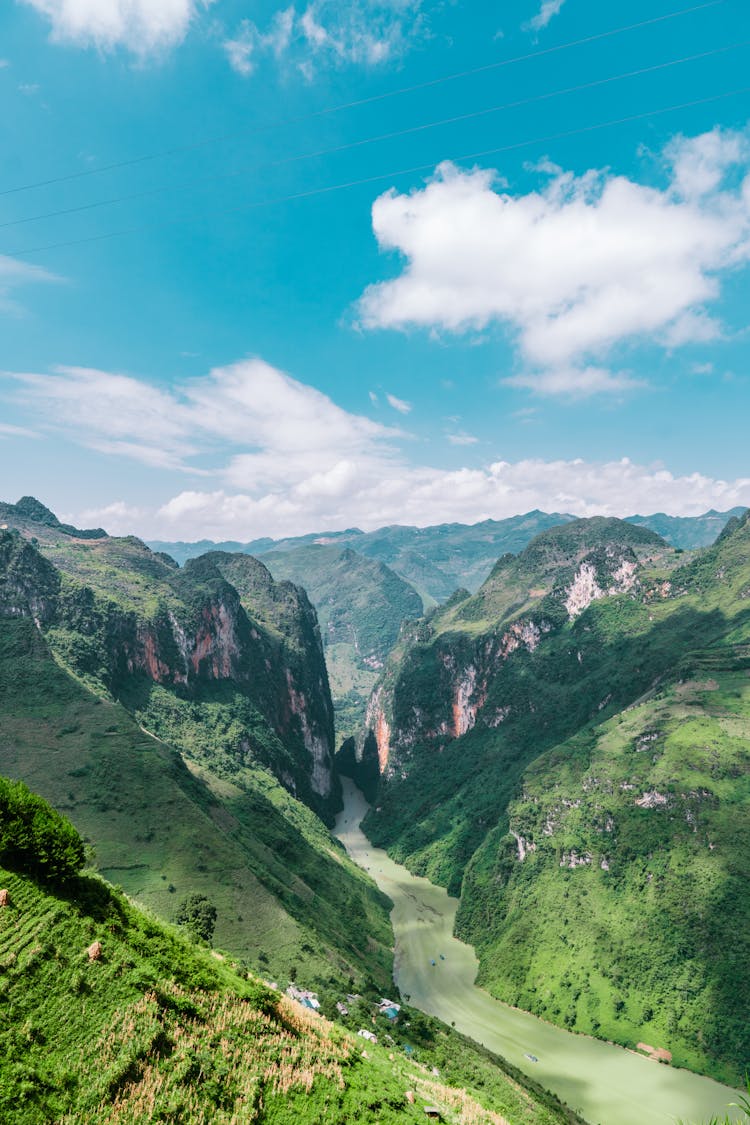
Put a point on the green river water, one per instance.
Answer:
(606, 1084)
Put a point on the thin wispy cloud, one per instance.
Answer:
(398, 404)
(548, 10)
(329, 33)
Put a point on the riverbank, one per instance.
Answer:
(606, 1084)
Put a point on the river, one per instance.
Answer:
(607, 1085)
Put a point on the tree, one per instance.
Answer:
(36, 839)
(198, 915)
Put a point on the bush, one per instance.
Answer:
(198, 914)
(34, 838)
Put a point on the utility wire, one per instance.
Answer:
(381, 175)
(185, 184)
(192, 146)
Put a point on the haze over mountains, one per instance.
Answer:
(437, 560)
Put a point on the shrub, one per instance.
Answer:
(36, 839)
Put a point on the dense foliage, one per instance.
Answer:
(36, 839)
(595, 814)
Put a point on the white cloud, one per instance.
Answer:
(13, 275)
(398, 404)
(6, 430)
(422, 495)
(249, 41)
(548, 9)
(373, 398)
(287, 460)
(576, 382)
(337, 32)
(141, 26)
(575, 268)
(462, 438)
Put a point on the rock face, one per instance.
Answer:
(218, 643)
(459, 653)
(569, 751)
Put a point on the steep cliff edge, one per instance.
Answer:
(502, 778)
(94, 677)
(228, 676)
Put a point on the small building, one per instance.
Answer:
(303, 997)
(433, 1113)
(342, 1008)
(388, 1008)
(369, 1035)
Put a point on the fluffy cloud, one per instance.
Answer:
(291, 460)
(283, 458)
(365, 32)
(140, 26)
(574, 268)
(422, 496)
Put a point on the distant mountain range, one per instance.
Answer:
(437, 560)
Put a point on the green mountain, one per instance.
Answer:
(688, 532)
(175, 726)
(361, 604)
(111, 1016)
(568, 750)
(438, 560)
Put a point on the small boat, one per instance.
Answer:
(531, 1058)
(442, 956)
(432, 962)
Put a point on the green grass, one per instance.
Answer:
(283, 887)
(159, 1029)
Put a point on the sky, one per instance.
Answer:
(267, 269)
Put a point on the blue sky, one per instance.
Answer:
(269, 269)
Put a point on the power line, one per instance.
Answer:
(382, 175)
(175, 150)
(347, 146)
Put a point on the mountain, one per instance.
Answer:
(688, 532)
(111, 1016)
(438, 560)
(175, 725)
(568, 750)
(361, 604)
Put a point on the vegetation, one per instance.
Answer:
(361, 605)
(285, 892)
(198, 915)
(594, 810)
(111, 1016)
(34, 838)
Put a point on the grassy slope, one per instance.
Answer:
(283, 887)
(655, 945)
(572, 944)
(158, 1029)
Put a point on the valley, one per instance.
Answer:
(604, 1083)
(563, 754)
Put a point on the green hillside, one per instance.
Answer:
(361, 605)
(596, 623)
(285, 892)
(440, 559)
(110, 1016)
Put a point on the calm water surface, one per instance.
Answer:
(606, 1084)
